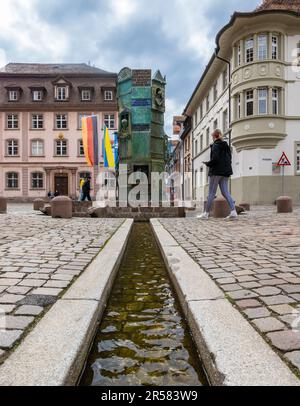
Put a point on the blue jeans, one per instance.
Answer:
(214, 182)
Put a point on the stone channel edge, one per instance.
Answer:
(54, 353)
(232, 352)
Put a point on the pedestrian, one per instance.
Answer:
(220, 170)
(56, 194)
(86, 189)
(80, 189)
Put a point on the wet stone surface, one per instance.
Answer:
(39, 259)
(143, 339)
(256, 261)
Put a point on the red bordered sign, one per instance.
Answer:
(284, 161)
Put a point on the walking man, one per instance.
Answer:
(86, 190)
(220, 170)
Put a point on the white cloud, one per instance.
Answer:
(3, 59)
(27, 33)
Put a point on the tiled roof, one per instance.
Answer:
(292, 5)
(65, 68)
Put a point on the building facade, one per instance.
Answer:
(41, 106)
(249, 90)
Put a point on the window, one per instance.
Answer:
(196, 147)
(13, 95)
(196, 118)
(274, 47)
(37, 121)
(225, 79)
(37, 180)
(80, 148)
(249, 50)
(80, 117)
(109, 121)
(275, 101)
(239, 55)
(262, 101)
(298, 159)
(37, 95)
(215, 124)
(37, 147)
(201, 111)
(108, 95)
(262, 47)
(12, 121)
(225, 121)
(61, 121)
(215, 92)
(12, 180)
(61, 147)
(207, 102)
(201, 142)
(62, 93)
(239, 107)
(12, 147)
(249, 103)
(207, 136)
(85, 95)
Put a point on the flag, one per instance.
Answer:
(90, 139)
(108, 154)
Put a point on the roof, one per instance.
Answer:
(292, 5)
(48, 69)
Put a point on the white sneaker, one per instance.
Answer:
(203, 216)
(232, 216)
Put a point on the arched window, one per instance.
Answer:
(12, 180)
(12, 147)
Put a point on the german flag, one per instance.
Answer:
(90, 138)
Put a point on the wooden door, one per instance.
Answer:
(62, 185)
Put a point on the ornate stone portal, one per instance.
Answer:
(141, 103)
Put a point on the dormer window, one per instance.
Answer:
(37, 95)
(62, 93)
(86, 95)
(108, 95)
(13, 93)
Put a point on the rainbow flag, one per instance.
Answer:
(108, 153)
(90, 138)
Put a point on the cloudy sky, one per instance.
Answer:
(175, 36)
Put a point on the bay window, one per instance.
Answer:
(249, 103)
(262, 47)
(249, 50)
(263, 101)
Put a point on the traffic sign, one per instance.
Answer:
(284, 161)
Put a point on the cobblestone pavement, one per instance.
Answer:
(256, 262)
(39, 259)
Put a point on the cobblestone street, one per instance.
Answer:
(39, 259)
(256, 262)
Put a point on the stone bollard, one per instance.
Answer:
(3, 205)
(61, 207)
(221, 208)
(245, 206)
(284, 204)
(38, 204)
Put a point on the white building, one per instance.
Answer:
(263, 53)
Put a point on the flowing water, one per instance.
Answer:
(143, 338)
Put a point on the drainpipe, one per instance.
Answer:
(229, 109)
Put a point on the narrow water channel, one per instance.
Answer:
(143, 338)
